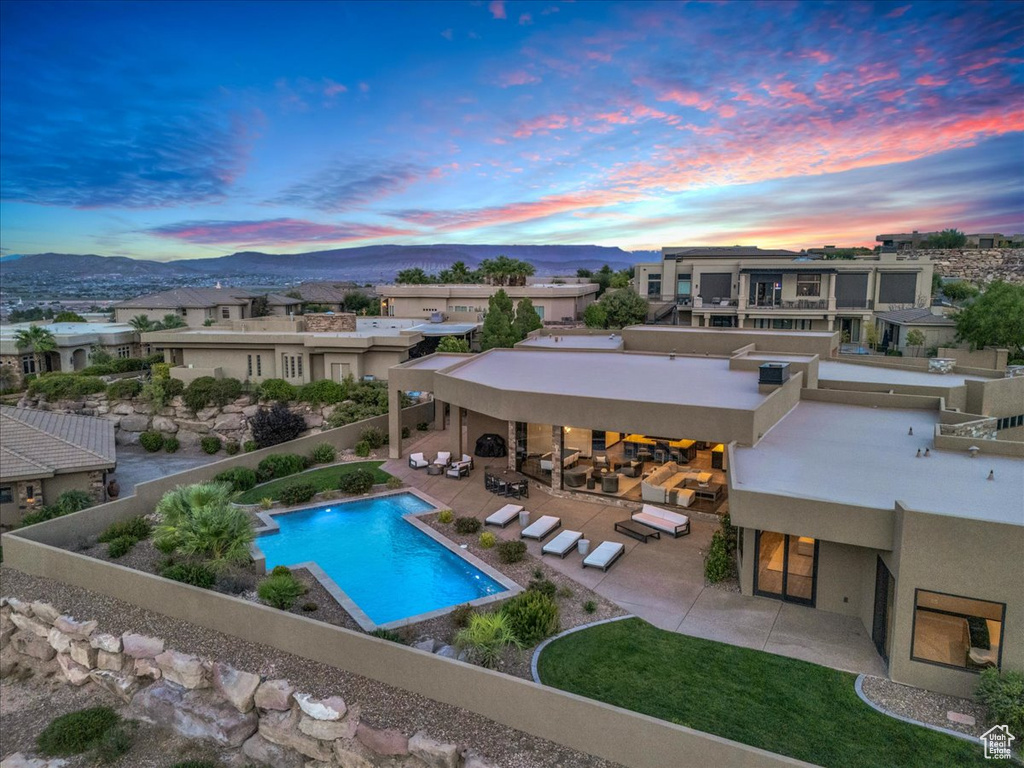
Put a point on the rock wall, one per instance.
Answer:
(341, 322)
(982, 429)
(979, 265)
(269, 722)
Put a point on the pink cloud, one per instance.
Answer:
(822, 57)
(517, 77)
(930, 81)
(895, 13)
(448, 34)
(686, 98)
(497, 9)
(541, 124)
(525, 19)
(332, 88)
(786, 95)
(269, 232)
(599, 56)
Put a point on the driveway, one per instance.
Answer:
(137, 465)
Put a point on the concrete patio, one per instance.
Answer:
(661, 581)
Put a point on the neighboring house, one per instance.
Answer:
(74, 343)
(554, 302)
(330, 297)
(197, 306)
(746, 287)
(909, 241)
(851, 484)
(894, 327)
(43, 454)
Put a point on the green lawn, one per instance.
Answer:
(325, 479)
(784, 705)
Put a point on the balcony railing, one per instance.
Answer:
(854, 304)
(797, 304)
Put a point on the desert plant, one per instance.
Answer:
(279, 465)
(544, 586)
(116, 742)
(65, 386)
(309, 607)
(405, 432)
(266, 502)
(76, 732)
(589, 606)
(323, 392)
(120, 546)
(1002, 693)
(151, 441)
(281, 591)
(231, 447)
(445, 516)
(277, 389)
(466, 525)
(200, 521)
(280, 570)
(486, 636)
(564, 592)
(323, 453)
(196, 574)
(207, 390)
(511, 551)
(373, 436)
(171, 444)
(487, 539)
(356, 481)
(717, 563)
(249, 446)
(211, 444)
(461, 614)
(297, 493)
(137, 528)
(240, 478)
(125, 389)
(160, 371)
(394, 483)
(532, 616)
(275, 426)
(423, 426)
(362, 449)
(389, 635)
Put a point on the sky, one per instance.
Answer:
(186, 130)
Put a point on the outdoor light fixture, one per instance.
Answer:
(973, 450)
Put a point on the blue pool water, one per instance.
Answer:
(388, 567)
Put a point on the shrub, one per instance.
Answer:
(266, 502)
(67, 503)
(231, 447)
(199, 520)
(277, 389)
(461, 615)
(394, 483)
(137, 528)
(160, 371)
(487, 540)
(445, 516)
(232, 583)
(309, 607)
(589, 606)
(280, 591)
(151, 441)
(731, 534)
(565, 592)
(281, 570)
(120, 546)
(324, 453)
(405, 432)
(390, 636)
(115, 743)
(511, 551)
(207, 390)
(1003, 697)
(196, 574)
(211, 444)
(125, 389)
(65, 386)
(297, 493)
(362, 449)
(356, 481)
(249, 446)
(423, 426)
(486, 636)
(279, 465)
(373, 436)
(240, 478)
(532, 616)
(544, 586)
(76, 732)
(275, 426)
(717, 563)
(171, 444)
(323, 392)
(466, 525)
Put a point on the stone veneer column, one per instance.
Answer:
(394, 423)
(512, 445)
(556, 455)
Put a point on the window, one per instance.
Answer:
(124, 351)
(30, 494)
(684, 286)
(460, 308)
(1008, 422)
(259, 366)
(957, 631)
(248, 369)
(28, 363)
(897, 288)
(782, 325)
(654, 284)
(722, 321)
(225, 312)
(6, 494)
(808, 285)
(299, 360)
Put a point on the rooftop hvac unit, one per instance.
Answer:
(775, 374)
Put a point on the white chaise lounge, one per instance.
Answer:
(541, 529)
(505, 515)
(564, 543)
(663, 520)
(605, 555)
(418, 461)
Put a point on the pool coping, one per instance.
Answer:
(347, 603)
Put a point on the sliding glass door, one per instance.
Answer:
(787, 567)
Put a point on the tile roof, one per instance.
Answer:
(280, 299)
(325, 293)
(915, 316)
(745, 251)
(44, 443)
(190, 297)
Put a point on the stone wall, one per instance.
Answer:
(267, 721)
(979, 265)
(341, 322)
(982, 429)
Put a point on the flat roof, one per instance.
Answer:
(67, 329)
(830, 370)
(434, 362)
(606, 341)
(444, 329)
(873, 463)
(730, 331)
(626, 376)
(783, 357)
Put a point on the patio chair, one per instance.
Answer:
(600, 462)
(467, 459)
(417, 461)
(605, 555)
(564, 543)
(444, 458)
(542, 528)
(458, 470)
(504, 516)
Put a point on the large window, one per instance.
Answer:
(957, 631)
(897, 288)
(684, 285)
(654, 284)
(6, 494)
(28, 363)
(808, 285)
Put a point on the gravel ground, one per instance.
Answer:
(382, 706)
(926, 706)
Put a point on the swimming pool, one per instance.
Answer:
(385, 564)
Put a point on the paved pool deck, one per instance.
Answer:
(661, 581)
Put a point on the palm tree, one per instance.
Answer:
(40, 340)
(200, 521)
(142, 323)
(170, 322)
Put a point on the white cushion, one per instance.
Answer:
(665, 514)
(563, 542)
(505, 514)
(443, 457)
(603, 554)
(540, 526)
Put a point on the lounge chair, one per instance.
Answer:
(467, 459)
(444, 458)
(458, 470)
(541, 529)
(417, 461)
(505, 515)
(663, 520)
(605, 555)
(562, 544)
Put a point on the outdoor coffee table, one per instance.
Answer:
(434, 469)
(636, 531)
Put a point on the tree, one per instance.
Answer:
(505, 271)
(357, 301)
(497, 329)
(260, 306)
(526, 319)
(170, 322)
(621, 279)
(915, 338)
(413, 276)
(40, 340)
(595, 316)
(994, 319)
(67, 316)
(947, 238)
(624, 307)
(960, 290)
(200, 521)
(457, 273)
(9, 377)
(871, 335)
(99, 356)
(142, 324)
(452, 344)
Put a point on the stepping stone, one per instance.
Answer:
(960, 717)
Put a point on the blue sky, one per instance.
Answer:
(168, 130)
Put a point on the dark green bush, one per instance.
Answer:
(196, 574)
(460, 615)
(1003, 697)
(405, 432)
(511, 551)
(76, 732)
(279, 465)
(323, 392)
(466, 525)
(356, 481)
(67, 503)
(389, 635)
(206, 391)
(65, 386)
(120, 546)
(297, 493)
(278, 390)
(173, 387)
(324, 453)
(240, 478)
(373, 437)
(362, 449)
(544, 586)
(151, 441)
(281, 591)
(589, 606)
(275, 426)
(532, 616)
(125, 389)
(249, 446)
(717, 563)
(116, 743)
(281, 570)
(211, 444)
(171, 444)
(231, 447)
(137, 528)
(423, 426)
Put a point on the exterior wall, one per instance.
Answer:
(11, 514)
(91, 482)
(994, 359)
(998, 398)
(469, 302)
(842, 573)
(478, 424)
(723, 342)
(233, 363)
(934, 336)
(324, 323)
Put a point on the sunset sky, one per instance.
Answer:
(187, 130)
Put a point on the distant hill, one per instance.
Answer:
(72, 265)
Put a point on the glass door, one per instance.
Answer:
(885, 593)
(787, 567)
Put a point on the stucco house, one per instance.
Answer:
(197, 306)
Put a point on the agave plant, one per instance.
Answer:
(199, 520)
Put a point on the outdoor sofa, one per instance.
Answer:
(663, 520)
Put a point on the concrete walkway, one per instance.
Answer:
(137, 465)
(661, 581)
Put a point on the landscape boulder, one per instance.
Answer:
(275, 694)
(79, 630)
(163, 424)
(383, 741)
(121, 685)
(434, 753)
(83, 653)
(182, 668)
(282, 728)
(29, 644)
(74, 672)
(136, 422)
(44, 612)
(61, 643)
(264, 752)
(28, 624)
(236, 686)
(142, 646)
(331, 709)
(108, 643)
(198, 714)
